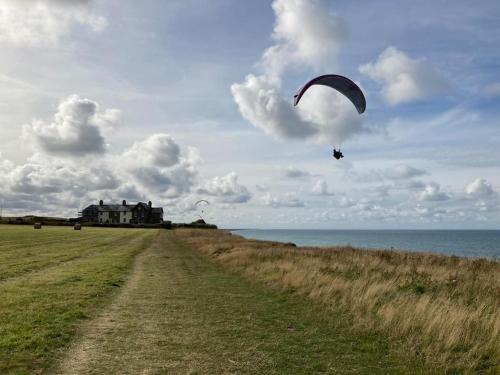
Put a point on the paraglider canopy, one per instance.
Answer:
(200, 207)
(340, 83)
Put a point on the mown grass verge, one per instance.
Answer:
(52, 279)
(441, 310)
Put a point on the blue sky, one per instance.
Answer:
(182, 100)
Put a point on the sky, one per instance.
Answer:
(188, 99)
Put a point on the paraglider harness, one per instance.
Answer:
(337, 154)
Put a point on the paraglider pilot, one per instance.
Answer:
(337, 154)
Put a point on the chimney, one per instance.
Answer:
(124, 202)
(150, 204)
(101, 203)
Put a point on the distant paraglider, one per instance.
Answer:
(343, 85)
(201, 206)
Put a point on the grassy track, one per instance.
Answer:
(50, 280)
(444, 311)
(179, 313)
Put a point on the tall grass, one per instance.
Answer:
(441, 309)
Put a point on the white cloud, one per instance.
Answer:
(260, 102)
(156, 164)
(287, 200)
(45, 22)
(226, 189)
(75, 130)
(403, 78)
(347, 202)
(432, 192)
(480, 188)
(320, 188)
(307, 35)
(50, 184)
(158, 150)
(396, 172)
(155, 168)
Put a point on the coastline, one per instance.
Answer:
(471, 243)
(442, 310)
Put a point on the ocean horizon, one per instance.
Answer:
(459, 242)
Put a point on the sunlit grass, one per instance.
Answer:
(443, 310)
(51, 279)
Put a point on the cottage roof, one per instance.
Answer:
(115, 208)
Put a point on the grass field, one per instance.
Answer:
(444, 311)
(175, 312)
(51, 280)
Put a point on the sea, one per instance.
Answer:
(467, 243)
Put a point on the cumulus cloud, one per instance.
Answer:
(76, 129)
(54, 185)
(45, 22)
(320, 188)
(155, 168)
(306, 35)
(287, 200)
(226, 189)
(480, 188)
(156, 164)
(403, 78)
(159, 150)
(51, 184)
(432, 193)
(261, 103)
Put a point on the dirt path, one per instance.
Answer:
(178, 313)
(126, 327)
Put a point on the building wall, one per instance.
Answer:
(103, 217)
(125, 217)
(90, 214)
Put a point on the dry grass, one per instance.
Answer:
(444, 310)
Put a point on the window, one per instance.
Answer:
(124, 219)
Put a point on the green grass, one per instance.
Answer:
(183, 314)
(50, 280)
(175, 311)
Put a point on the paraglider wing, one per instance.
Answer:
(200, 207)
(340, 83)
